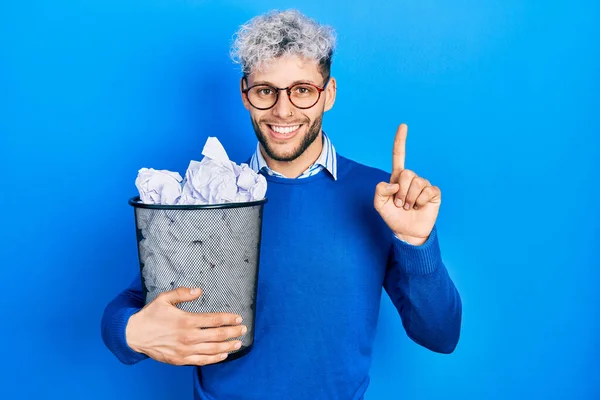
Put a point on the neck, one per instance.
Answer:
(295, 168)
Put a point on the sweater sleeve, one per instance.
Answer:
(424, 295)
(114, 321)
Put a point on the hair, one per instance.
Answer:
(280, 33)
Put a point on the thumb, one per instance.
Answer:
(181, 295)
(383, 192)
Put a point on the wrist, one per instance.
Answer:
(130, 334)
(415, 241)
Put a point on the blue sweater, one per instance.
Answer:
(326, 256)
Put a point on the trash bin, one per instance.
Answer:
(215, 247)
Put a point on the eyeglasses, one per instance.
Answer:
(301, 95)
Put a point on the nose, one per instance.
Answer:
(283, 107)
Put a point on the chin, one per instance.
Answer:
(278, 152)
(283, 141)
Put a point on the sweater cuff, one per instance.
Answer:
(118, 341)
(418, 260)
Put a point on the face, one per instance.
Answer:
(285, 131)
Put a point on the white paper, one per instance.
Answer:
(189, 194)
(259, 190)
(250, 183)
(214, 150)
(246, 179)
(208, 182)
(158, 186)
(214, 180)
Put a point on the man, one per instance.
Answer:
(335, 233)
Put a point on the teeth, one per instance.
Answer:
(284, 129)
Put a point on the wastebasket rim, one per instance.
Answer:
(135, 202)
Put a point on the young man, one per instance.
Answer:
(335, 233)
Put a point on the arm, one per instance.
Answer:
(114, 322)
(416, 279)
(160, 330)
(424, 295)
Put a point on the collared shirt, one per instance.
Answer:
(327, 160)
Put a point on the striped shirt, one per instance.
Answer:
(326, 161)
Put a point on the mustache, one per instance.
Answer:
(273, 122)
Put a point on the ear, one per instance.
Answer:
(330, 92)
(243, 82)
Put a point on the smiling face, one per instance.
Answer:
(288, 134)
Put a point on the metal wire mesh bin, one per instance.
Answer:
(212, 247)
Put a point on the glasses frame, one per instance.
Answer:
(288, 90)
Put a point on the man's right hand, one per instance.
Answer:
(170, 335)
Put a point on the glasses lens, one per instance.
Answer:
(262, 96)
(304, 95)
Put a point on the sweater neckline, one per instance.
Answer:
(324, 174)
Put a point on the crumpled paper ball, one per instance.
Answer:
(158, 186)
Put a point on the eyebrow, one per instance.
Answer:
(291, 84)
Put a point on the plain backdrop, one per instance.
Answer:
(501, 99)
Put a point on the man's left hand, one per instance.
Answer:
(408, 204)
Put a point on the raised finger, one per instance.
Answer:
(399, 150)
(405, 179)
(416, 187)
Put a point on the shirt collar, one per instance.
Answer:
(327, 160)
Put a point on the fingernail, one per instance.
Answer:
(194, 291)
(406, 206)
(238, 345)
(238, 320)
(398, 202)
(244, 330)
(223, 356)
(390, 186)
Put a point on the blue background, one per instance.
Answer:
(501, 99)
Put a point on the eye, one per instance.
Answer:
(265, 91)
(303, 90)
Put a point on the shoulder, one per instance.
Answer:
(355, 171)
(357, 182)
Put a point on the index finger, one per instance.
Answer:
(399, 151)
(215, 320)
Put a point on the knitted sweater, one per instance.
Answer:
(326, 255)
